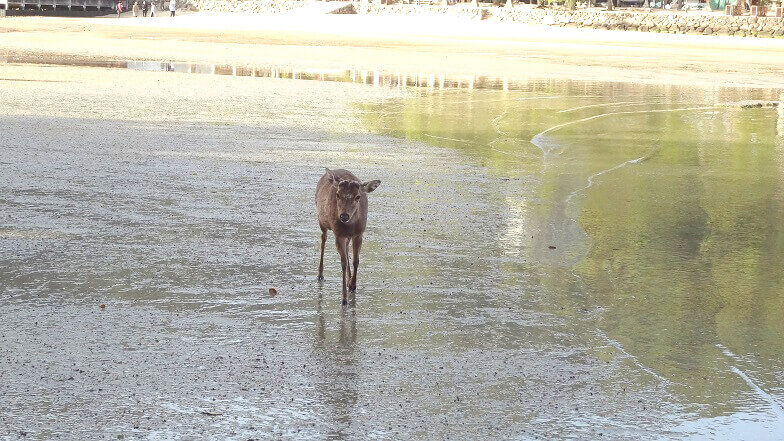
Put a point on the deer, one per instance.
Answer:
(342, 206)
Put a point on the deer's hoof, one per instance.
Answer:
(344, 302)
(320, 278)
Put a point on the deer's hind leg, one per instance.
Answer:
(357, 246)
(321, 260)
(342, 245)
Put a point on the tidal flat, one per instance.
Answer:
(544, 259)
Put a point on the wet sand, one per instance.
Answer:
(178, 210)
(409, 44)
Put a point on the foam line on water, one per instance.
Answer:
(615, 104)
(617, 345)
(775, 405)
(614, 343)
(761, 393)
(628, 112)
(386, 114)
(504, 100)
(597, 174)
(495, 120)
(449, 139)
(529, 98)
(517, 157)
(392, 110)
(539, 141)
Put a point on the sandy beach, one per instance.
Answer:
(412, 44)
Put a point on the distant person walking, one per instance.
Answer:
(144, 8)
(172, 7)
(135, 9)
(152, 9)
(119, 8)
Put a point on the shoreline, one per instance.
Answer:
(446, 45)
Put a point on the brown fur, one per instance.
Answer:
(338, 193)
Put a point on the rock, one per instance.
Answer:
(725, 31)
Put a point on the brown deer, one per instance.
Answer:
(342, 205)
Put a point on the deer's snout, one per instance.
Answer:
(344, 217)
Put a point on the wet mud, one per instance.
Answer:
(492, 301)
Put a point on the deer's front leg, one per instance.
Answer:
(342, 245)
(348, 262)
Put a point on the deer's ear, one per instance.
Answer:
(369, 186)
(334, 180)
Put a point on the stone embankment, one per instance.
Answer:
(674, 22)
(247, 6)
(466, 10)
(661, 21)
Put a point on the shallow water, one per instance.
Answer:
(657, 211)
(562, 259)
(375, 77)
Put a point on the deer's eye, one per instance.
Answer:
(356, 198)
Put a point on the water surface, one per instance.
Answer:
(653, 212)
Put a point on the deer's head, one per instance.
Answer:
(349, 195)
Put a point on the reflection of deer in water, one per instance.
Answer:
(337, 370)
(342, 205)
(348, 327)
